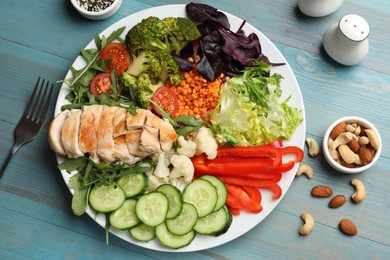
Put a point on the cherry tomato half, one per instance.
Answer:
(120, 57)
(166, 99)
(101, 83)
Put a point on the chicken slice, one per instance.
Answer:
(133, 141)
(70, 134)
(152, 120)
(120, 122)
(88, 130)
(167, 136)
(136, 121)
(121, 152)
(149, 140)
(54, 132)
(105, 131)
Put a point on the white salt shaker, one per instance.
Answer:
(318, 8)
(346, 41)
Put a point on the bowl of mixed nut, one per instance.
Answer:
(352, 145)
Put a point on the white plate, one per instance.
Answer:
(244, 222)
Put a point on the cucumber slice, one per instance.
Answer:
(143, 232)
(106, 198)
(184, 222)
(133, 184)
(152, 208)
(170, 240)
(175, 199)
(221, 190)
(228, 224)
(202, 194)
(212, 223)
(125, 216)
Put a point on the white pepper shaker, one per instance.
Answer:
(319, 8)
(346, 41)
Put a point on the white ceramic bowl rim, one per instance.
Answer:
(350, 119)
(91, 13)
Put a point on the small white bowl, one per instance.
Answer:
(362, 122)
(99, 15)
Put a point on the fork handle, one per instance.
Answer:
(10, 155)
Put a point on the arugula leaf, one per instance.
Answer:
(183, 125)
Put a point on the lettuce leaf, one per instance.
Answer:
(250, 110)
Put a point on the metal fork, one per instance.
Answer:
(32, 120)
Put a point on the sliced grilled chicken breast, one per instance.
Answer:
(120, 122)
(70, 134)
(110, 133)
(136, 121)
(105, 131)
(54, 133)
(149, 140)
(121, 152)
(89, 124)
(167, 136)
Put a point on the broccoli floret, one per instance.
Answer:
(145, 62)
(181, 31)
(168, 34)
(142, 86)
(147, 35)
(157, 64)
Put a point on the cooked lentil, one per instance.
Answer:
(197, 96)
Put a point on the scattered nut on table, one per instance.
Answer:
(305, 169)
(360, 190)
(314, 149)
(308, 226)
(348, 227)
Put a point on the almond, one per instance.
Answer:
(348, 227)
(337, 130)
(354, 145)
(366, 155)
(337, 201)
(321, 191)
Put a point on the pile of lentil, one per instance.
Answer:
(94, 5)
(197, 96)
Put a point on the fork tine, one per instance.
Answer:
(28, 109)
(42, 115)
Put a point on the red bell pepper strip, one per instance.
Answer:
(298, 152)
(234, 211)
(247, 181)
(241, 200)
(239, 159)
(251, 151)
(246, 169)
(276, 144)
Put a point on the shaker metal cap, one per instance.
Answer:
(354, 27)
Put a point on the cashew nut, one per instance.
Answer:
(333, 152)
(350, 128)
(314, 149)
(309, 224)
(305, 169)
(363, 140)
(347, 154)
(374, 140)
(360, 190)
(343, 138)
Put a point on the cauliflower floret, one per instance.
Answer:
(154, 182)
(206, 143)
(187, 148)
(162, 170)
(182, 168)
(179, 183)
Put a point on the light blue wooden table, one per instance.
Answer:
(42, 38)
